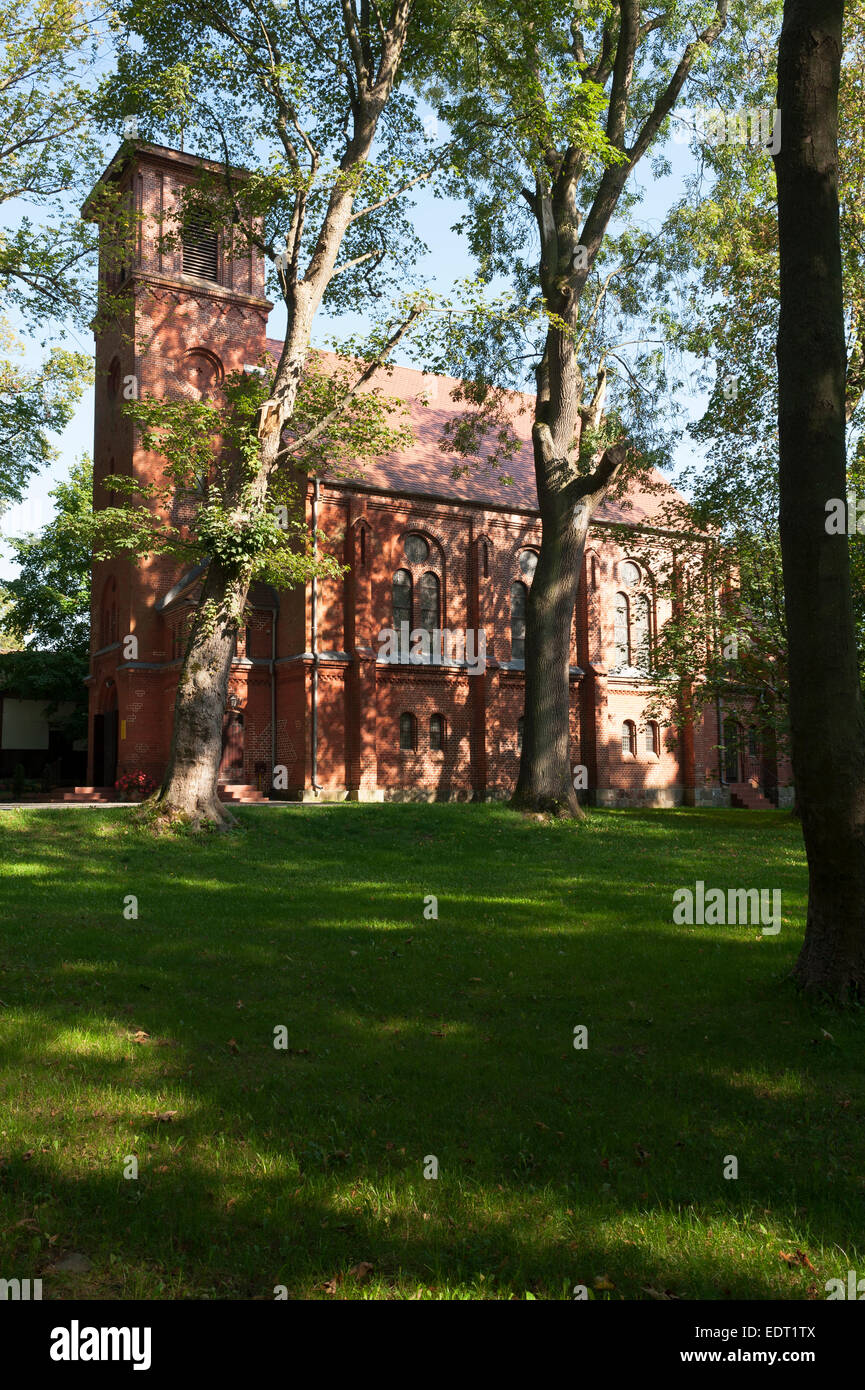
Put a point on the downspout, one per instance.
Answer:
(316, 786)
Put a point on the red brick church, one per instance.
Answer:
(319, 705)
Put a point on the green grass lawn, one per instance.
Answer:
(409, 1037)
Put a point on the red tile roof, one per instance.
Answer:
(425, 469)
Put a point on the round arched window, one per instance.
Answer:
(199, 374)
(416, 549)
(528, 563)
(630, 573)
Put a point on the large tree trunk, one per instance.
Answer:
(189, 788)
(544, 782)
(826, 712)
(567, 501)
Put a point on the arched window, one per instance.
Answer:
(428, 596)
(622, 633)
(593, 572)
(528, 563)
(521, 727)
(436, 732)
(485, 560)
(629, 737)
(642, 632)
(407, 732)
(401, 590)
(630, 574)
(362, 547)
(653, 741)
(519, 599)
(753, 743)
(416, 549)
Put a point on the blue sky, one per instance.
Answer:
(446, 263)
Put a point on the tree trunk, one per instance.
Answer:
(544, 782)
(189, 789)
(567, 502)
(826, 712)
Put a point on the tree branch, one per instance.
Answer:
(367, 375)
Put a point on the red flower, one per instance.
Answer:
(137, 781)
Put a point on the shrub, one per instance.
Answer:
(135, 784)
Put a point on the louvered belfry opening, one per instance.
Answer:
(200, 249)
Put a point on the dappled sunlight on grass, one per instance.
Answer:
(408, 1037)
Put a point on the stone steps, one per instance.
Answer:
(746, 797)
(240, 792)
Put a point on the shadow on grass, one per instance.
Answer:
(410, 1037)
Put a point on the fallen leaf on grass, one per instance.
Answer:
(798, 1258)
